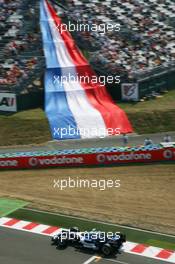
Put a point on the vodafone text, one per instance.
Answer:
(8, 163)
(55, 160)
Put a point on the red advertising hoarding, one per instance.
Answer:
(166, 154)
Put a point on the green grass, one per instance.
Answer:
(7, 206)
(156, 115)
(164, 244)
(25, 127)
(66, 222)
(165, 103)
(153, 122)
(30, 127)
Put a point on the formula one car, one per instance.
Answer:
(105, 243)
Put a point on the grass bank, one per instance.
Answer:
(31, 127)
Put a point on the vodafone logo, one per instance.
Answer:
(33, 162)
(168, 154)
(55, 161)
(101, 158)
(129, 90)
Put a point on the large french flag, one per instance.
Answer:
(74, 109)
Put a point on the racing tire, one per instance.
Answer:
(106, 250)
(61, 244)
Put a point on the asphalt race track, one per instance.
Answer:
(134, 140)
(19, 247)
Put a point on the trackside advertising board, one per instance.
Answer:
(8, 102)
(130, 92)
(167, 154)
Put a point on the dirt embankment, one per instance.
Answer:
(145, 198)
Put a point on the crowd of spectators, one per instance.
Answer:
(20, 42)
(147, 141)
(14, 70)
(145, 41)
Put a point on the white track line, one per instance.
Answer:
(90, 260)
(116, 261)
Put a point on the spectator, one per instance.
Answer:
(145, 43)
(148, 142)
(167, 138)
(125, 139)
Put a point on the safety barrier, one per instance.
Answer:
(87, 157)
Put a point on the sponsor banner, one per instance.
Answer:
(8, 102)
(167, 144)
(130, 92)
(10, 163)
(167, 154)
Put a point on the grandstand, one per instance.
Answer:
(142, 52)
(21, 57)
